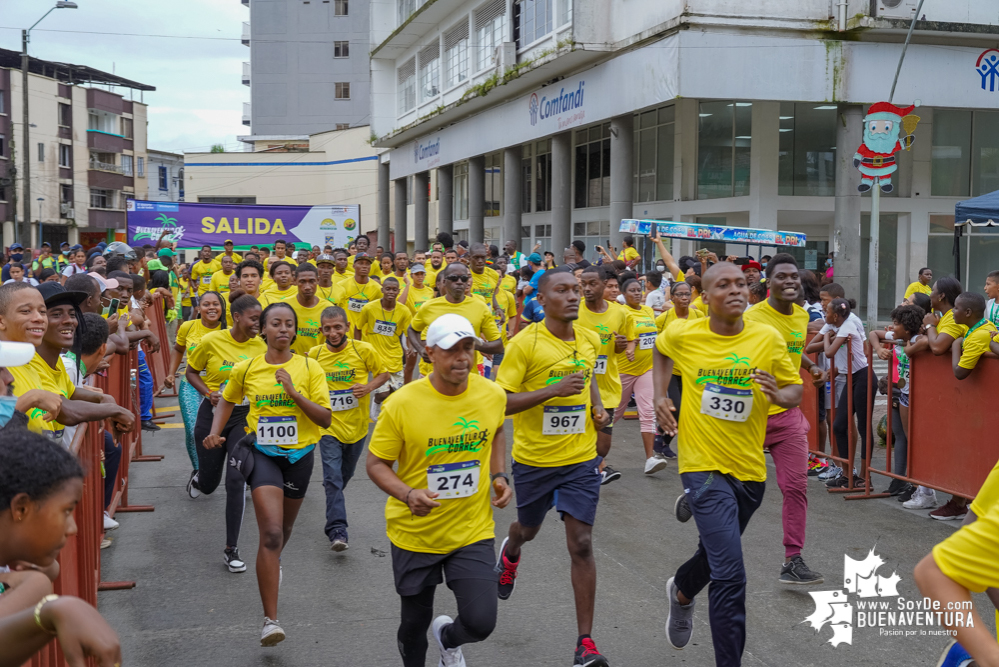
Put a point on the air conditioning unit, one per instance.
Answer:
(505, 56)
(896, 9)
(64, 207)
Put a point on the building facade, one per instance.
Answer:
(545, 121)
(87, 151)
(166, 176)
(308, 68)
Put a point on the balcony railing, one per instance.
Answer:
(246, 34)
(246, 74)
(107, 166)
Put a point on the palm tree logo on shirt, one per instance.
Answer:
(467, 426)
(604, 331)
(797, 334)
(737, 360)
(340, 364)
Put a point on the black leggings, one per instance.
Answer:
(841, 425)
(899, 443)
(212, 463)
(476, 618)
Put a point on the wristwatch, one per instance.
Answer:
(492, 478)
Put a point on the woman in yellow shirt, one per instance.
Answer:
(681, 312)
(288, 405)
(636, 370)
(922, 284)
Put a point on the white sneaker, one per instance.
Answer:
(653, 465)
(272, 633)
(832, 471)
(109, 523)
(921, 501)
(450, 657)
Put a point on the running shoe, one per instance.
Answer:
(832, 471)
(450, 657)
(668, 452)
(339, 541)
(658, 444)
(150, 425)
(609, 475)
(921, 501)
(681, 509)
(233, 561)
(654, 465)
(816, 467)
(507, 572)
(105, 543)
(192, 485)
(951, 511)
(896, 487)
(109, 523)
(680, 621)
(906, 494)
(797, 573)
(272, 634)
(587, 655)
(955, 656)
(843, 482)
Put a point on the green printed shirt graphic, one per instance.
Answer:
(357, 363)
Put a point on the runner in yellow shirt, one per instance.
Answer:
(364, 247)
(220, 279)
(280, 254)
(382, 323)
(484, 279)
(249, 272)
(356, 292)
(283, 275)
(548, 375)
(308, 309)
(636, 371)
(340, 272)
(202, 270)
(732, 371)
(434, 267)
(227, 251)
(922, 284)
(353, 370)
(419, 291)
(288, 405)
(326, 267)
(610, 322)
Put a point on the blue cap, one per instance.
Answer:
(102, 245)
(77, 247)
(534, 258)
(16, 246)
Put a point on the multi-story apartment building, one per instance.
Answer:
(87, 150)
(166, 176)
(308, 68)
(552, 120)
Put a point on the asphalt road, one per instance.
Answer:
(342, 610)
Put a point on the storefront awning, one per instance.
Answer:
(696, 232)
(981, 211)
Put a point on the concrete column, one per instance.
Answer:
(562, 192)
(763, 166)
(846, 223)
(445, 199)
(513, 195)
(421, 202)
(401, 202)
(685, 151)
(476, 199)
(622, 175)
(383, 204)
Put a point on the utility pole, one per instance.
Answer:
(22, 229)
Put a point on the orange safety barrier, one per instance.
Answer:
(123, 385)
(159, 362)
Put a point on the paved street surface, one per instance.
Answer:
(342, 610)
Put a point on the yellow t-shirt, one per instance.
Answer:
(255, 380)
(190, 333)
(310, 327)
(509, 284)
(725, 364)
(418, 296)
(431, 279)
(460, 435)
(970, 556)
(356, 363)
(382, 328)
(948, 326)
(484, 283)
(605, 325)
(25, 379)
(792, 328)
(535, 359)
(376, 267)
(976, 343)
(337, 277)
(274, 295)
(917, 287)
(668, 317)
(185, 288)
(220, 282)
(55, 380)
(472, 309)
(628, 254)
(507, 311)
(988, 495)
(699, 304)
(353, 296)
(217, 353)
(327, 293)
(236, 259)
(266, 284)
(642, 328)
(201, 275)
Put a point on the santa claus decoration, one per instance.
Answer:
(876, 156)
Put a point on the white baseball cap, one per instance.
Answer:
(15, 354)
(447, 330)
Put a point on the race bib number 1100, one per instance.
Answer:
(277, 431)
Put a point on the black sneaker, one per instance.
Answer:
(587, 655)
(658, 443)
(192, 485)
(842, 482)
(609, 475)
(896, 487)
(681, 509)
(507, 572)
(150, 426)
(233, 561)
(668, 452)
(797, 573)
(906, 494)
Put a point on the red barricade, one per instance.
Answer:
(159, 362)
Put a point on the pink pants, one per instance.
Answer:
(787, 440)
(641, 386)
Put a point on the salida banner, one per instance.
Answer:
(195, 225)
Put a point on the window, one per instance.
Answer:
(430, 71)
(65, 155)
(406, 9)
(343, 126)
(342, 91)
(65, 115)
(41, 152)
(532, 20)
(340, 8)
(724, 138)
(126, 165)
(227, 200)
(66, 194)
(102, 121)
(543, 235)
(494, 184)
(142, 167)
(460, 185)
(564, 11)
(592, 233)
(3, 101)
(164, 178)
(341, 49)
(407, 86)
(126, 128)
(807, 148)
(654, 139)
(543, 176)
(3, 146)
(525, 178)
(100, 198)
(593, 166)
(965, 155)
(456, 54)
(490, 32)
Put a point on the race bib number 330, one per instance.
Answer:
(564, 419)
(726, 403)
(454, 480)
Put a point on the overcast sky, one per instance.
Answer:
(199, 95)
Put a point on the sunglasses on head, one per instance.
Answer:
(455, 279)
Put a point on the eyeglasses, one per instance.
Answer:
(455, 279)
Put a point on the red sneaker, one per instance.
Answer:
(587, 655)
(952, 511)
(507, 573)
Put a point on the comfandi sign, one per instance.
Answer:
(193, 225)
(565, 108)
(427, 153)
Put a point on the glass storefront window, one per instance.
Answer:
(985, 153)
(724, 141)
(979, 251)
(807, 148)
(592, 233)
(494, 184)
(654, 141)
(950, 164)
(593, 167)
(460, 185)
(887, 263)
(543, 176)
